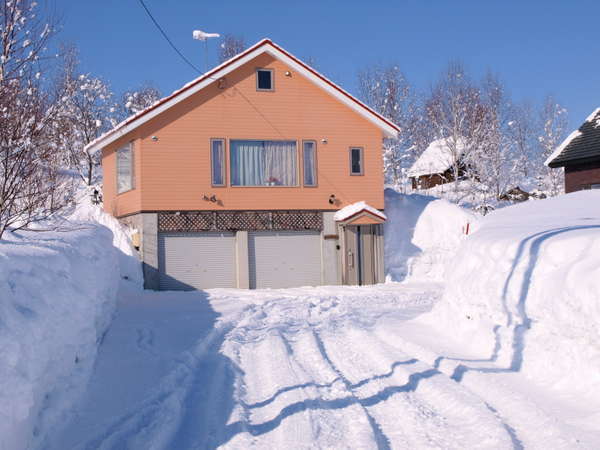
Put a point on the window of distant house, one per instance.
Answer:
(263, 163)
(125, 180)
(264, 79)
(309, 157)
(217, 159)
(356, 161)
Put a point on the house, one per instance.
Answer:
(434, 166)
(235, 179)
(579, 154)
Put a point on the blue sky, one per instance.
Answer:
(537, 47)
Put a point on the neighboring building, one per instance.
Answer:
(579, 154)
(434, 166)
(235, 179)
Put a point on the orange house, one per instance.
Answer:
(238, 179)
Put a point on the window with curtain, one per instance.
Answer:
(217, 158)
(263, 163)
(309, 155)
(125, 168)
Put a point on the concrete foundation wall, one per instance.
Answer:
(149, 250)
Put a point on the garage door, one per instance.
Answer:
(196, 260)
(284, 259)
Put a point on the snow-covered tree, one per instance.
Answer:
(137, 100)
(32, 182)
(87, 110)
(231, 46)
(386, 90)
(552, 129)
(455, 111)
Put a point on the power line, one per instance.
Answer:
(167, 37)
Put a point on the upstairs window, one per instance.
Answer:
(309, 156)
(264, 79)
(217, 159)
(125, 180)
(263, 163)
(356, 161)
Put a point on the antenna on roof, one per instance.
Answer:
(204, 36)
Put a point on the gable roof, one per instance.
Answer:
(581, 145)
(352, 212)
(437, 158)
(263, 46)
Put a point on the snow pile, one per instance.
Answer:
(355, 208)
(525, 290)
(129, 263)
(437, 158)
(422, 233)
(58, 292)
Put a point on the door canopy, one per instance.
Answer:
(359, 213)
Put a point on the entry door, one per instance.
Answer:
(360, 253)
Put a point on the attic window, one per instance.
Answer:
(264, 79)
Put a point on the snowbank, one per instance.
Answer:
(525, 289)
(57, 295)
(422, 233)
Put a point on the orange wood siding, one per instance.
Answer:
(174, 172)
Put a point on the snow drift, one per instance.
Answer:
(57, 296)
(422, 233)
(525, 288)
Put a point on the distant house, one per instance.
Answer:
(234, 180)
(579, 154)
(434, 166)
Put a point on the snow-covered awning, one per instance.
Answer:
(361, 213)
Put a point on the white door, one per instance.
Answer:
(281, 259)
(196, 260)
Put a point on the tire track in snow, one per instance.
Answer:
(381, 439)
(412, 395)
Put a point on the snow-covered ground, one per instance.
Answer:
(490, 342)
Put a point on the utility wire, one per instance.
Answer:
(167, 37)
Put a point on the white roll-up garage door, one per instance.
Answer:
(281, 259)
(196, 260)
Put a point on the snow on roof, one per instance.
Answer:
(265, 45)
(593, 117)
(437, 158)
(355, 208)
(561, 147)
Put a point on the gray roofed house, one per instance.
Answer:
(579, 154)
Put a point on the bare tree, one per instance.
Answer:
(231, 46)
(32, 184)
(552, 129)
(386, 90)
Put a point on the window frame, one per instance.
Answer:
(130, 146)
(224, 159)
(361, 161)
(272, 72)
(316, 164)
(298, 169)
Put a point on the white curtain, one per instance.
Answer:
(263, 163)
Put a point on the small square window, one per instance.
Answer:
(356, 161)
(264, 79)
